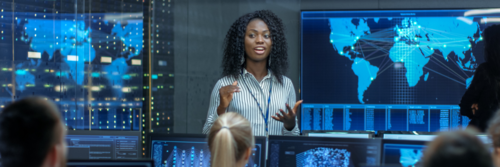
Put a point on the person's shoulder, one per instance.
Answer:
(482, 66)
(287, 82)
(225, 80)
(487, 69)
(286, 79)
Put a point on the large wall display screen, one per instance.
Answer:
(402, 70)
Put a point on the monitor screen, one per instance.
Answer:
(110, 163)
(302, 151)
(103, 145)
(178, 150)
(76, 60)
(402, 152)
(392, 70)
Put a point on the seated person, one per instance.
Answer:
(494, 134)
(457, 149)
(230, 141)
(32, 134)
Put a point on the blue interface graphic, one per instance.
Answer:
(323, 156)
(323, 152)
(190, 153)
(423, 118)
(89, 64)
(102, 147)
(403, 155)
(375, 66)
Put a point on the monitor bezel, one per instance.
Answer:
(104, 132)
(325, 139)
(99, 162)
(370, 134)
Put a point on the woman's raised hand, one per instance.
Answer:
(288, 118)
(226, 95)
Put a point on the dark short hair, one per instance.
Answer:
(28, 131)
(457, 149)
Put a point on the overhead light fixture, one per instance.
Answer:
(490, 20)
(481, 12)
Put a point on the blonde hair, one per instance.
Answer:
(229, 138)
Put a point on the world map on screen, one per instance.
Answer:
(410, 44)
(79, 42)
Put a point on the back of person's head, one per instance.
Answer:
(494, 134)
(230, 140)
(457, 149)
(32, 134)
(491, 38)
(494, 131)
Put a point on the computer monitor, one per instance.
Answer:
(313, 151)
(402, 153)
(391, 70)
(175, 150)
(103, 145)
(110, 163)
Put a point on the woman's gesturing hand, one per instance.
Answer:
(226, 95)
(288, 118)
(474, 108)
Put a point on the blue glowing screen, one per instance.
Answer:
(175, 152)
(403, 155)
(388, 70)
(89, 64)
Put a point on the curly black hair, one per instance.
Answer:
(491, 45)
(234, 45)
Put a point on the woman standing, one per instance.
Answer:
(254, 85)
(481, 99)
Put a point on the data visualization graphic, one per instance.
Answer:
(323, 157)
(344, 117)
(190, 153)
(323, 152)
(89, 63)
(417, 57)
(403, 154)
(416, 42)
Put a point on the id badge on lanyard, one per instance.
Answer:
(266, 115)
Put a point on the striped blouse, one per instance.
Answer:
(244, 104)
